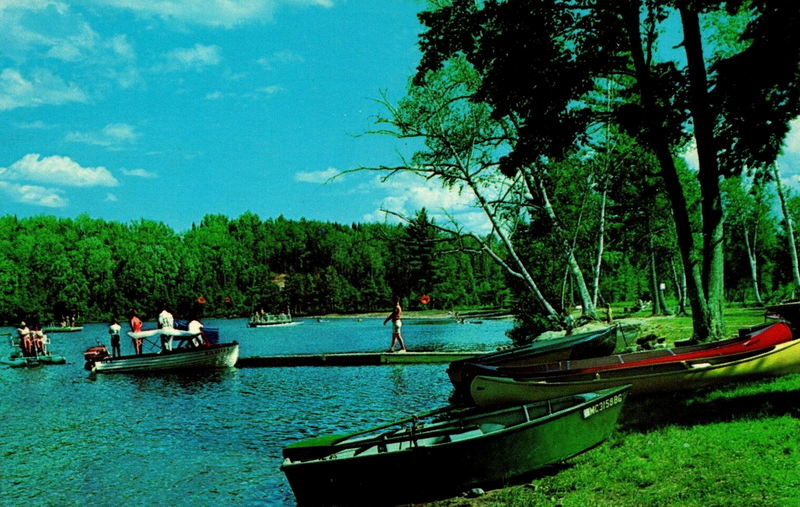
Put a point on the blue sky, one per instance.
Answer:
(173, 109)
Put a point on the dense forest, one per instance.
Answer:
(97, 270)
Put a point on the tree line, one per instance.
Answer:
(222, 267)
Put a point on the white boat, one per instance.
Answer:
(185, 356)
(218, 356)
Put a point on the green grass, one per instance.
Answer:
(736, 445)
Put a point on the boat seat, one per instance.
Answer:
(491, 427)
(475, 432)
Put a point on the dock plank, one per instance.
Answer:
(353, 359)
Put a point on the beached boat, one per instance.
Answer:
(599, 342)
(768, 352)
(460, 449)
(186, 355)
(17, 358)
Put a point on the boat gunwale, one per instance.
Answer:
(553, 382)
(331, 457)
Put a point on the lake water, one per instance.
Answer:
(68, 438)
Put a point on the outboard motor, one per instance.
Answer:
(93, 354)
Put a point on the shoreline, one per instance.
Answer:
(425, 314)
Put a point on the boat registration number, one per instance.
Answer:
(602, 405)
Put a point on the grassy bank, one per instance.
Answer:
(737, 445)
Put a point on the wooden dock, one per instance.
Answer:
(353, 359)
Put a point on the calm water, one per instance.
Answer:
(67, 438)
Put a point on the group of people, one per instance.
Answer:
(262, 317)
(31, 341)
(165, 321)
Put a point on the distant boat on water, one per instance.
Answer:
(63, 329)
(269, 320)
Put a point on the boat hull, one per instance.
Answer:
(781, 359)
(488, 457)
(214, 357)
(584, 345)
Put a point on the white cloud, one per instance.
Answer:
(225, 13)
(271, 90)
(139, 173)
(111, 197)
(196, 58)
(33, 5)
(792, 144)
(41, 87)
(73, 47)
(280, 57)
(316, 176)
(35, 195)
(113, 135)
(33, 125)
(57, 170)
(409, 193)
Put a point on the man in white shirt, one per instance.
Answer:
(166, 321)
(196, 328)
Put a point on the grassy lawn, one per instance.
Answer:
(736, 445)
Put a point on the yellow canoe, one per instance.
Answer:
(777, 360)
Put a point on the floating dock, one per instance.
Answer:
(354, 359)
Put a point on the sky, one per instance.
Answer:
(173, 109)
(170, 110)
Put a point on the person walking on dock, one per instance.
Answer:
(397, 322)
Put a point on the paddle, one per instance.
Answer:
(320, 445)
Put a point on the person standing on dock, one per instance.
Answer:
(114, 330)
(136, 326)
(397, 322)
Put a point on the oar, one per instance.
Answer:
(331, 440)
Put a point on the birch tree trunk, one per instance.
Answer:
(600, 244)
(751, 256)
(680, 287)
(587, 307)
(787, 218)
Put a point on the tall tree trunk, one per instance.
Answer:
(680, 287)
(656, 296)
(600, 243)
(751, 256)
(787, 218)
(587, 307)
(708, 175)
(701, 324)
(519, 270)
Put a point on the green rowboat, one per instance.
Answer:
(457, 450)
